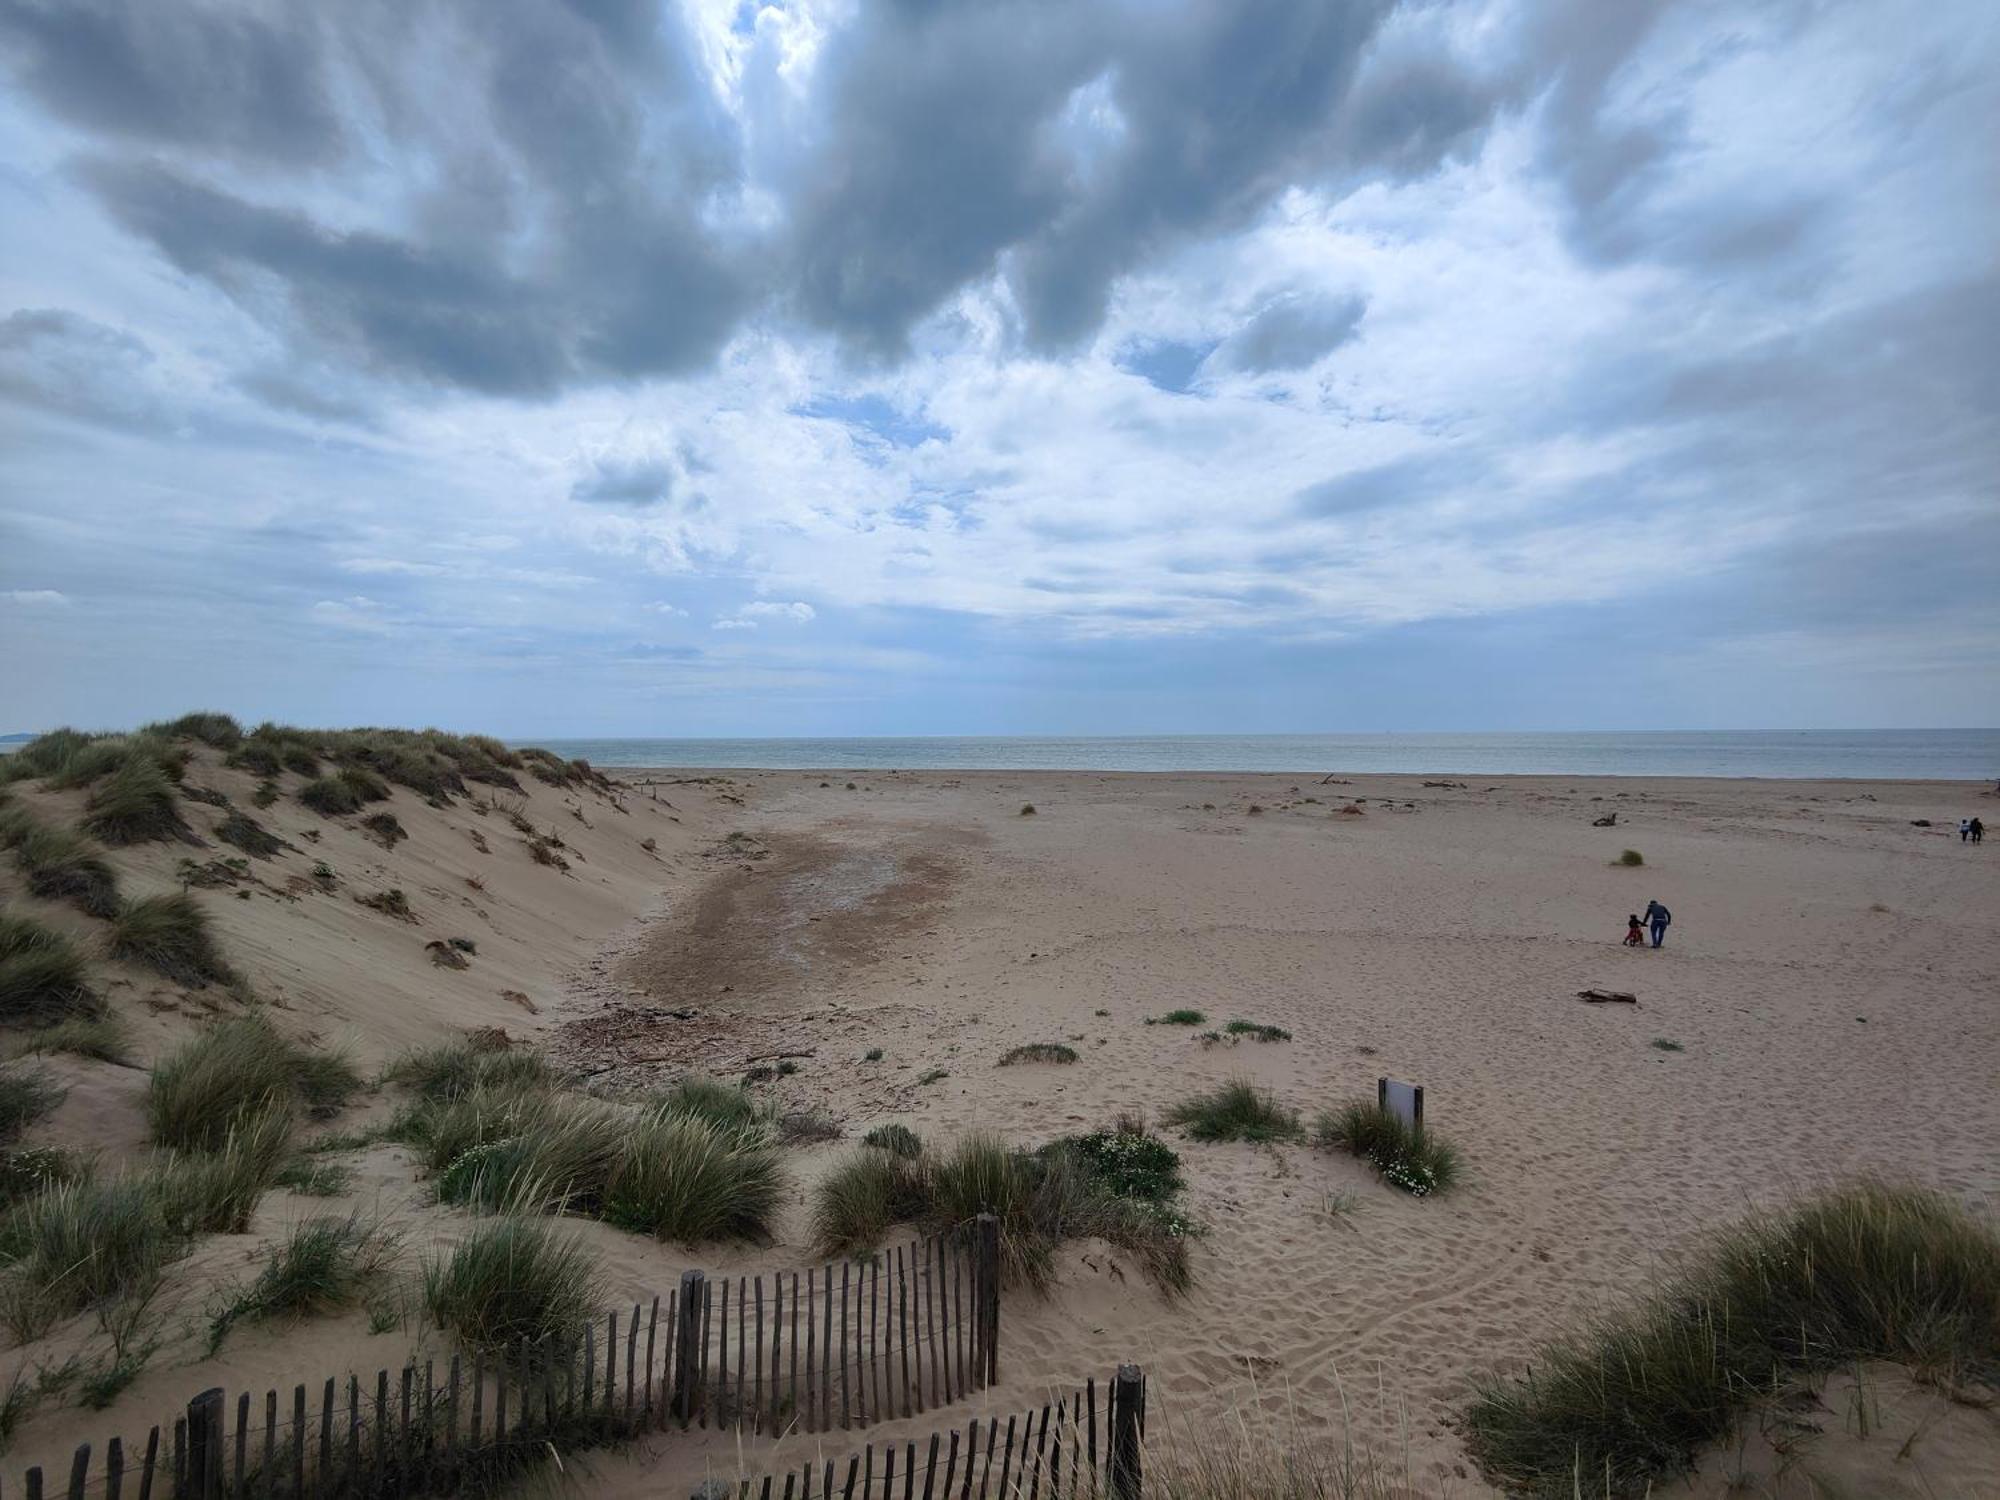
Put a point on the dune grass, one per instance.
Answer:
(246, 833)
(684, 1178)
(42, 975)
(1235, 1111)
(233, 1071)
(1038, 1052)
(135, 804)
(1630, 859)
(26, 1096)
(323, 1265)
(102, 1038)
(1257, 1030)
(512, 1281)
(28, 1170)
(217, 730)
(728, 1105)
(898, 1140)
(347, 790)
(1411, 1157)
(215, 1191)
(1864, 1272)
(171, 936)
(78, 1244)
(453, 1069)
(60, 865)
(1181, 1017)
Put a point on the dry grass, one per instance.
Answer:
(237, 1070)
(42, 975)
(171, 936)
(60, 865)
(136, 804)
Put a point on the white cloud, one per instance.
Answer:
(770, 610)
(36, 598)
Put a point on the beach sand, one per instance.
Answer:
(1830, 978)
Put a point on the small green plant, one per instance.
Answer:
(873, 1054)
(804, 1127)
(102, 1038)
(235, 1070)
(935, 1075)
(316, 1179)
(454, 1069)
(1236, 1111)
(135, 805)
(1038, 1052)
(265, 795)
(857, 1202)
(171, 936)
(723, 1104)
(1667, 1044)
(1630, 858)
(1258, 1030)
(1411, 1157)
(79, 1244)
(41, 975)
(511, 1282)
(26, 1096)
(216, 1191)
(324, 1265)
(897, 1140)
(1131, 1163)
(26, 1170)
(1179, 1018)
(683, 1178)
(1027, 809)
(60, 865)
(246, 833)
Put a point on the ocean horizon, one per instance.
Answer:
(1867, 755)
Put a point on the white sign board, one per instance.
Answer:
(1403, 1100)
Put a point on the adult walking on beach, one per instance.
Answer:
(1978, 830)
(1657, 918)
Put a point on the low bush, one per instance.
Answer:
(1630, 858)
(1038, 1052)
(260, 757)
(323, 1265)
(391, 903)
(237, 1070)
(41, 975)
(347, 790)
(1865, 1272)
(385, 829)
(265, 795)
(1410, 1157)
(171, 936)
(898, 1140)
(27, 1170)
(1179, 1018)
(804, 1127)
(1236, 1111)
(135, 805)
(1257, 1030)
(511, 1282)
(60, 865)
(26, 1095)
(1131, 1163)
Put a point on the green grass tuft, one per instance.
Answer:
(1667, 1044)
(1179, 1018)
(252, 837)
(1865, 1272)
(171, 936)
(1630, 858)
(897, 1140)
(682, 1177)
(858, 1201)
(1258, 1030)
(511, 1282)
(78, 1244)
(26, 1095)
(1038, 1052)
(41, 975)
(234, 1071)
(102, 1038)
(724, 1104)
(135, 805)
(1413, 1158)
(60, 865)
(216, 730)
(1235, 1111)
(216, 1191)
(324, 1265)
(453, 1069)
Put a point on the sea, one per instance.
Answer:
(1868, 754)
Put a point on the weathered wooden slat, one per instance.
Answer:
(79, 1471)
(652, 1332)
(478, 1402)
(148, 1464)
(723, 1415)
(242, 1445)
(428, 1464)
(950, 1467)
(589, 1368)
(326, 1439)
(846, 1369)
(631, 1357)
(701, 1366)
(903, 1327)
(32, 1480)
(500, 1402)
(688, 1313)
(826, 1349)
(812, 1350)
(207, 1460)
(114, 1469)
(298, 1442)
(847, 1489)
(610, 1365)
(875, 1360)
(1128, 1401)
(933, 1286)
(792, 1391)
(379, 1464)
(930, 1468)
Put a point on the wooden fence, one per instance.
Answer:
(1073, 1448)
(916, 1328)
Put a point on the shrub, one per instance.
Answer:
(102, 1038)
(1667, 1044)
(246, 833)
(511, 1282)
(1179, 1018)
(385, 829)
(1408, 1156)
(265, 795)
(345, 791)
(801, 1127)
(260, 757)
(1235, 1111)
(457, 1068)
(45, 754)
(391, 903)
(1631, 857)
(856, 1203)
(1865, 1272)
(682, 1177)
(324, 1265)
(217, 730)
(1038, 1052)
(78, 1244)
(897, 1140)
(27, 1170)
(135, 805)
(26, 1095)
(105, 754)
(873, 1054)
(170, 935)
(216, 1192)
(1130, 1163)
(60, 865)
(1258, 1030)
(300, 760)
(1027, 809)
(234, 1071)
(41, 975)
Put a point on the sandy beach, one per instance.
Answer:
(1828, 984)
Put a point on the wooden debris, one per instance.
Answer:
(1608, 997)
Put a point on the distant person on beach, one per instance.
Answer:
(1964, 829)
(1657, 918)
(1635, 933)
(1978, 830)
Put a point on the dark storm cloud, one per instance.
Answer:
(1293, 332)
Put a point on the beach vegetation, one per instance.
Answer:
(171, 936)
(1235, 1111)
(42, 975)
(27, 1095)
(78, 1244)
(135, 804)
(1038, 1052)
(27, 1170)
(1867, 1271)
(102, 1038)
(216, 730)
(1257, 1031)
(1414, 1158)
(896, 1139)
(315, 1179)
(235, 1070)
(260, 757)
(873, 1054)
(681, 1177)
(933, 1075)
(323, 1265)
(1667, 1044)
(60, 865)
(1181, 1017)
(215, 1191)
(244, 832)
(805, 1127)
(1630, 858)
(728, 1106)
(391, 903)
(512, 1281)
(453, 1069)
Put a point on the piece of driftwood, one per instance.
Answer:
(1608, 997)
(1609, 820)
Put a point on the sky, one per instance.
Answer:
(621, 367)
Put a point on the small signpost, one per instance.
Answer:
(1403, 1100)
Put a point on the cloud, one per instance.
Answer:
(626, 482)
(747, 616)
(36, 598)
(1293, 332)
(67, 363)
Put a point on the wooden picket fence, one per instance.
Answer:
(915, 1329)
(1072, 1448)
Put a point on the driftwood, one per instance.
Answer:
(1609, 820)
(1608, 997)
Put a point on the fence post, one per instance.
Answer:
(1127, 1407)
(204, 1424)
(986, 1277)
(687, 1346)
